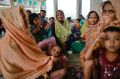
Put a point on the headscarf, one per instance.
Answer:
(84, 27)
(116, 6)
(19, 56)
(62, 31)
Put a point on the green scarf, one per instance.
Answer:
(62, 31)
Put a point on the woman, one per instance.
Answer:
(89, 24)
(19, 56)
(62, 28)
(38, 31)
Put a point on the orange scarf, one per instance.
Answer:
(19, 56)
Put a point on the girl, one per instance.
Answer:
(39, 31)
(52, 49)
(60, 65)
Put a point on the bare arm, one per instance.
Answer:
(89, 53)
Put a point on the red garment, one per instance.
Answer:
(63, 59)
(107, 69)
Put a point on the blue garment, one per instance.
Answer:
(81, 22)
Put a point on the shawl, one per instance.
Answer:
(84, 28)
(62, 31)
(20, 58)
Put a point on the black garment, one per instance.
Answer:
(56, 66)
(2, 29)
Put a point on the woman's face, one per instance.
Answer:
(59, 16)
(109, 11)
(36, 21)
(92, 19)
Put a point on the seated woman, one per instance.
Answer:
(20, 58)
(63, 30)
(39, 31)
(91, 22)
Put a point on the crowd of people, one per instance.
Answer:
(35, 47)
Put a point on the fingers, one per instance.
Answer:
(104, 21)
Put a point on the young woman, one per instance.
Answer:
(91, 22)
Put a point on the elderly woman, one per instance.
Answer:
(62, 28)
(19, 56)
(110, 16)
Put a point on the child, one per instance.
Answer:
(52, 49)
(60, 65)
(108, 56)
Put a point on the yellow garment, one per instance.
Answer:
(84, 28)
(19, 56)
(62, 31)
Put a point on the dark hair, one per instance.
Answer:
(69, 18)
(29, 11)
(32, 16)
(112, 29)
(43, 11)
(57, 65)
(91, 13)
(104, 3)
(52, 18)
(78, 19)
(82, 17)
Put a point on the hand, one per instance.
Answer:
(104, 21)
(39, 24)
(47, 26)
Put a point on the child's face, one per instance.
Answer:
(55, 51)
(112, 41)
(92, 19)
(36, 21)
